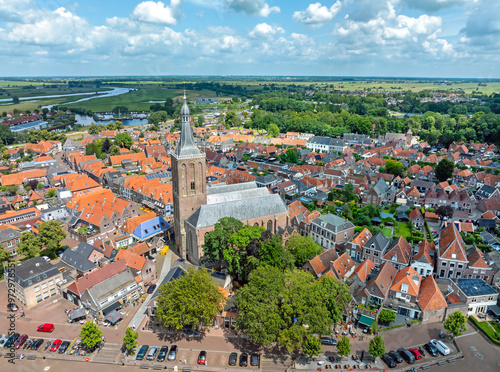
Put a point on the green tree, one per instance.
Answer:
(51, 234)
(30, 245)
(193, 299)
(4, 256)
(444, 170)
(335, 296)
(394, 167)
(347, 194)
(217, 240)
(344, 346)
(91, 335)
(312, 346)
(290, 156)
(51, 193)
(39, 186)
(273, 130)
(93, 129)
(275, 305)
(201, 120)
(114, 150)
(455, 323)
(387, 316)
(123, 140)
(376, 347)
(130, 340)
(11, 189)
(6, 134)
(303, 248)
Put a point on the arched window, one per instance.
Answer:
(256, 224)
(193, 190)
(270, 225)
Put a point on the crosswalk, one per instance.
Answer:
(109, 353)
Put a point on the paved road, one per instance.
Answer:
(139, 316)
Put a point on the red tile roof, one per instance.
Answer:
(363, 270)
(86, 282)
(407, 276)
(431, 297)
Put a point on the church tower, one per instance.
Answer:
(188, 180)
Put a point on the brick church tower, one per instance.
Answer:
(188, 180)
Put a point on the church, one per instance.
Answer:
(198, 208)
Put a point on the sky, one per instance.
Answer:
(393, 38)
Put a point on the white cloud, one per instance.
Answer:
(15, 11)
(317, 14)
(432, 6)
(263, 30)
(252, 7)
(157, 12)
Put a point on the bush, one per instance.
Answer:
(487, 330)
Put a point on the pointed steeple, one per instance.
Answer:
(186, 146)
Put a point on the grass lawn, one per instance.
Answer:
(490, 329)
(387, 232)
(23, 106)
(402, 229)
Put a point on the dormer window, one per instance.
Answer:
(453, 255)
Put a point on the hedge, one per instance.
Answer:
(486, 329)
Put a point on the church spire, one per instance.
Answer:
(186, 146)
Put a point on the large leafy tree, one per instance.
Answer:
(30, 245)
(286, 307)
(394, 167)
(217, 240)
(6, 134)
(335, 296)
(193, 299)
(91, 335)
(130, 340)
(444, 170)
(51, 234)
(93, 129)
(303, 248)
(344, 346)
(455, 323)
(347, 193)
(444, 211)
(376, 347)
(123, 140)
(273, 130)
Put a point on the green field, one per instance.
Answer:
(23, 106)
(402, 229)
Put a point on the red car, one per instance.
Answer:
(202, 358)
(47, 327)
(55, 345)
(20, 341)
(418, 354)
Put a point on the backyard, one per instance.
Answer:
(387, 232)
(402, 229)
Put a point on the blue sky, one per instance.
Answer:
(418, 38)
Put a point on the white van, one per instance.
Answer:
(442, 348)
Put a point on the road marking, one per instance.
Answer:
(467, 334)
(46, 368)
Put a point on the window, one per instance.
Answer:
(37, 289)
(51, 282)
(443, 263)
(52, 291)
(452, 265)
(9, 244)
(404, 288)
(39, 298)
(44, 285)
(460, 266)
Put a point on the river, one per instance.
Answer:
(109, 93)
(87, 120)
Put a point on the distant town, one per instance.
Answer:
(296, 226)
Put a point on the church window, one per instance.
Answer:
(193, 190)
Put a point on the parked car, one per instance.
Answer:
(254, 359)
(47, 327)
(20, 341)
(36, 345)
(162, 354)
(243, 360)
(12, 306)
(440, 345)
(152, 352)
(481, 315)
(10, 341)
(406, 355)
(172, 354)
(395, 355)
(55, 345)
(142, 352)
(202, 358)
(431, 349)
(233, 357)
(326, 340)
(418, 355)
(151, 288)
(63, 347)
(388, 360)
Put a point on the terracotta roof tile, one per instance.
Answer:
(430, 297)
(343, 265)
(407, 276)
(363, 270)
(453, 298)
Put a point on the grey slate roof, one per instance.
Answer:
(485, 191)
(333, 223)
(78, 257)
(236, 195)
(379, 241)
(34, 270)
(380, 187)
(244, 209)
(9, 234)
(111, 285)
(268, 178)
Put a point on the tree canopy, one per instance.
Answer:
(51, 234)
(444, 170)
(455, 323)
(217, 240)
(287, 307)
(30, 245)
(91, 335)
(376, 347)
(303, 248)
(193, 299)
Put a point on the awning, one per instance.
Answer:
(110, 308)
(494, 309)
(75, 314)
(113, 317)
(367, 321)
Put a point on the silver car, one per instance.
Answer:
(152, 352)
